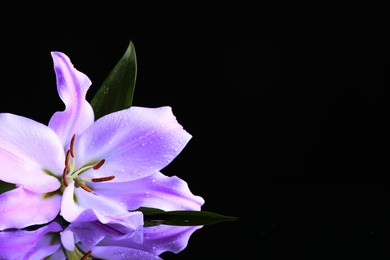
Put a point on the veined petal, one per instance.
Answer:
(45, 251)
(167, 238)
(72, 86)
(91, 233)
(156, 191)
(157, 239)
(90, 207)
(28, 150)
(117, 252)
(18, 244)
(134, 142)
(22, 208)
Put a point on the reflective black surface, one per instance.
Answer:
(285, 103)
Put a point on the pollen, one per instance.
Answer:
(86, 188)
(64, 176)
(66, 169)
(72, 145)
(67, 157)
(98, 165)
(108, 178)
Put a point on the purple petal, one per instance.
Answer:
(67, 239)
(156, 191)
(158, 239)
(164, 238)
(117, 252)
(59, 255)
(22, 208)
(90, 207)
(88, 233)
(91, 233)
(28, 150)
(18, 244)
(43, 251)
(135, 143)
(72, 86)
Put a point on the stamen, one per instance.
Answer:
(99, 164)
(89, 253)
(72, 146)
(86, 188)
(108, 178)
(64, 175)
(66, 168)
(70, 174)
(67, 158)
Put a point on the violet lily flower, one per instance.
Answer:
(102, 170)
(93, 240)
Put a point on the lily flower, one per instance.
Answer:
(101, 170)
(90, 240)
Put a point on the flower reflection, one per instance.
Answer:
(91, 240)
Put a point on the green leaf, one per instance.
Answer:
(5, 186)
(153, 217)
(117, 90)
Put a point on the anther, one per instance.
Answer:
(86, 188)
(66, 168)
(67, 158)
(72, 146)
(99, 164)
(89, 253)
(108, 178)
(64, 175)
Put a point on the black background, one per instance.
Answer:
(286, 104)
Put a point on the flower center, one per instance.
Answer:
(70, 173)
